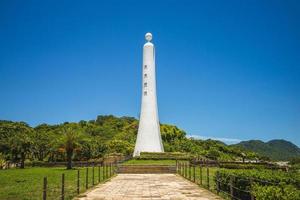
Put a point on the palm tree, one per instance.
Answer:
(71, 138)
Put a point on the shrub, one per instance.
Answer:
(35, 163)
(261, 183)
(271, 192)
(164, 156)
(247, 166)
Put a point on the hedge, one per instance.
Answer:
(164, 156)
(262, 183)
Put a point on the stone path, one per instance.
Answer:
(148, 186)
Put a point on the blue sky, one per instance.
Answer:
(225, 69)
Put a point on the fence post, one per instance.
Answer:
(190, 172)
(87, 178)
(194, 173)
(114, 168)
(78, 181)
(207, 176)
(106, 174)
(45, 189)
(217, 182)
(93, 175)
(98, 173)
(200, 174)
(231, 187)
(63, 187)
(185, 170)
(106, 171)
(110, 168)
(180, 169)
(103, 172)
(251, 185)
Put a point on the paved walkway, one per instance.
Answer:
(148, 186)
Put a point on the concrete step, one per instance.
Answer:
(146, 169)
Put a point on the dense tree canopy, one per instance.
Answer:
(93, 139)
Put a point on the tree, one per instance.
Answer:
(170, 133)
(42, 138)
(15, 140)
(20, 147)
(120, 146)
(213, 153)
(93, 139)
(70, 140)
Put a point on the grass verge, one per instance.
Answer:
(27, 184)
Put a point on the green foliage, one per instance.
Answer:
(264, 184)
(149, 162)
(15, 141)
(2, 161)
(213, 153)
(94, 139)
(171, 133)
(164, 156)
(120, 146)
(27, 184)
(229, 165)
(43, 137)
(274, 192)
(274, 149)
(79, 141)
(273, 176)
(70, 140)
(294, 161)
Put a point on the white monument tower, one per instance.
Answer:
(148, 138)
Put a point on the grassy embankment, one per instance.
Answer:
(27, 184)
(150, 162)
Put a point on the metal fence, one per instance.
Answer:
(208, 177)
(85, 178)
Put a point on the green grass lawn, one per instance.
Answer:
(27, 184)
(201, 176)
(150, 162)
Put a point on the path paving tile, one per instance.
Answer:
(148, 187)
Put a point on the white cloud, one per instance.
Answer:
(225, 140)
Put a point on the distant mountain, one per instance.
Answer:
(274, 149)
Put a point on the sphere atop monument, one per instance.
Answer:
(148, 37)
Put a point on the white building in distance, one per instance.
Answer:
(148, 138)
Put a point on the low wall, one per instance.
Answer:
(146, 169)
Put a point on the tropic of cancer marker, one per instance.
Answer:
(148, 138)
